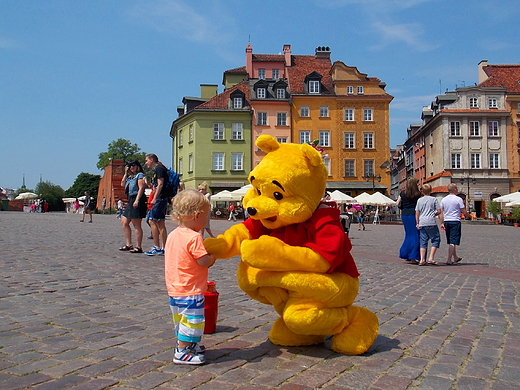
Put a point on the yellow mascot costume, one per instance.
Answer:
(295, 255)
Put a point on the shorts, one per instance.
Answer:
(361, 220)
(188, 317)
(453, 232)
(158, 211)
(427, 233)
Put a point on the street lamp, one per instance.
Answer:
(467, 179)
(373, 178)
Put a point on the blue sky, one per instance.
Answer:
(76, 75)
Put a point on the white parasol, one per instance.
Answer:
(340, 197)
(26, 195)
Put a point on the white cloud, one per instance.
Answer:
(409, 33)
(411, 103)
(200, 24)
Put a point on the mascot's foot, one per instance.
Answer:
(359, 335)
(281, 335)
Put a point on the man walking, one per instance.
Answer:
(159, 204)
(452, 207)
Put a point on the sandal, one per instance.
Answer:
(421, 263)
(413, 262)
(431, 263)
(126, 248)
(459, 259)
(136, 250)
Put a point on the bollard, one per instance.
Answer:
(211, 308)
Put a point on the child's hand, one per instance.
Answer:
(212, 260)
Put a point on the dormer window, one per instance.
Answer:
(473, 102)
(261, 93)
(280, 89)
(260, 88)
(280, 93)
(238, 99)
(313, 81)
(314, 86)
(492, 103)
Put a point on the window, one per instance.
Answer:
(180, 166)
(350, 141)
(261, 118)
(350, 168)
(276, 74)
(260, 93)
(304, 112)
(280, 93)
(237, 161)
(236, 131)
(360, 90)
(518, 108)
(492, 103)
(181, 138)
(324, 111)
(475, 160)
(367, 115)
(305, 137)
(314, 86)
(218, 131)
(350, 90)
(281, 119)
(261, 73)
(494, 160)
(368, 168)
(473, 102)
(455, 161)
(348, 114)
(190, 163)
(324, 138)
(326, 161)
(281, 140)
(474, 129)
(368, 140)
(455, 129)
(218, 161)
(191, 133)
(237, 102)
(493, 129)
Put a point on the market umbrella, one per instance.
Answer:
(381, 200)
(512, 197)
(242, 190)
(224, 196)
(340, 197)
(363, 198)
(26, 195)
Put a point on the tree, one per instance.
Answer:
(52, 193)
(120, 149)
(84, 182)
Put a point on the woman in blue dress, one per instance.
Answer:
(407, 201)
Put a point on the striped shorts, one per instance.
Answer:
(188, 317)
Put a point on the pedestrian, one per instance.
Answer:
(425, 212)
(232, 212)
(149, 207)
(203, 189)
(407, 201)
(361, 219)
(119, 208)
(87, 207)
(159, 204)
(452, 206)
(76, 205)
(186, 266)
(103, 205)
(134, 183)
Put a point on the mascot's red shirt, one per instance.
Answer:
(322, 233)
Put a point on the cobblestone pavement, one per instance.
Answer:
(77, 313)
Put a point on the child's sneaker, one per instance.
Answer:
(188, 356)
(197, 348)
(155, 251)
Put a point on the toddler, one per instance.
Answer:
(186, 274)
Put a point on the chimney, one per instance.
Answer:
(249, 60)
(287, 54)
(482, 76)
(323, 52)
(207, 91)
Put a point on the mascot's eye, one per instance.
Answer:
(278, 196)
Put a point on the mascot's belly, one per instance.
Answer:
(332, 290)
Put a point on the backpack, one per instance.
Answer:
(172, 184)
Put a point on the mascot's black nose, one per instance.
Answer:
(251, 211)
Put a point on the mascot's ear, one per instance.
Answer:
(310, 153)
(267, 143)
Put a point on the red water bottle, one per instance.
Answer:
(211, 308)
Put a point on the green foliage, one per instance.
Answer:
(120, 149)
(494, 208)
(52, 193)
(515, 213)
(84, 182)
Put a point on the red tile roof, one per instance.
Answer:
(239, 70)
(436, 176)
(302, 65)
(505, 76)
(220, 102)
(268, 57)
(436, 190)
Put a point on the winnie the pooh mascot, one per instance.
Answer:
(295, 255)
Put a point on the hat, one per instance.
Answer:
(132, 163)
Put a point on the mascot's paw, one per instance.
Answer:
(216, 246)
(281, 335)
(359, 335)
(262, 253)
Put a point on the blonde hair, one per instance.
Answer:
(203, 186)
(187, 203)
(427, 189)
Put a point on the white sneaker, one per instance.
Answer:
(188, 356)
